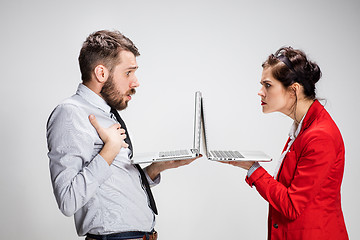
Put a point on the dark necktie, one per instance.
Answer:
(142, 174)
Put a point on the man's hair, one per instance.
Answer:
(103, 47)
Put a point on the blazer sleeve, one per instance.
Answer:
(314, 160)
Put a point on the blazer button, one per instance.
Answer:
(275, 225)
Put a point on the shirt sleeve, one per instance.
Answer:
(76, 168)
(154, 182)
(252, 169)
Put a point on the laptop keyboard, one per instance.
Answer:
(174, 153)
(226, 154)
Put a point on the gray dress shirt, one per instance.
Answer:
(103, 199)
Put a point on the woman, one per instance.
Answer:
(304, 194)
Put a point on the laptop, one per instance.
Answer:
(228, 155)
(180, 154)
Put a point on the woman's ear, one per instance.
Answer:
(101, 73)
(295, 89)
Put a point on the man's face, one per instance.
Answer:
(121, 83)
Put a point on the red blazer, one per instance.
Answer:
(304, 200)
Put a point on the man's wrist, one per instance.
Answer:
(108, 154)
(153, 171)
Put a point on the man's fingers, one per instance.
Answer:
(112, 131)
(124, 145)
(121, 130)
(94, 122)
(116, 126)
(122, 134)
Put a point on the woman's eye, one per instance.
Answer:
(128, 73)
(267, 85)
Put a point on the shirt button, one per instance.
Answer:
(276, 226)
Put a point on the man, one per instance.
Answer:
(90, 150)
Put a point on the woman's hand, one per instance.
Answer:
(242, 164)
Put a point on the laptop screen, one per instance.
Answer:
(197, 122)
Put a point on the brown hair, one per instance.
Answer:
(289, 65)
(103, 47)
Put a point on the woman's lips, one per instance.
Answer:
(263, 103)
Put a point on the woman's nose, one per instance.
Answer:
(261, 92)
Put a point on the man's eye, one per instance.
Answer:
(128, 73)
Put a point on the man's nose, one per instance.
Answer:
(135, 83)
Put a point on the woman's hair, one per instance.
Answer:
(103, 47)
(290, 65)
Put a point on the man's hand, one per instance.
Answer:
(113, 138)
(154, 169)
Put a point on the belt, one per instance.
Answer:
(125, 235)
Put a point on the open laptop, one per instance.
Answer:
(176, 154)
(228, 155)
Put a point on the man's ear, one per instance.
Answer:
(101, 73)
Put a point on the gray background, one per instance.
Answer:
(213, 46)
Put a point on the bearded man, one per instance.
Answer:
(90, 151)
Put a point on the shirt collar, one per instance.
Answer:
(315, 109)
(294, 131)
(92, 97)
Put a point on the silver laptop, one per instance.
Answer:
(228, 155)
(180, 154)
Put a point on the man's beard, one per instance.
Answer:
(113, 97)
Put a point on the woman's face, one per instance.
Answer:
(274, 96)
